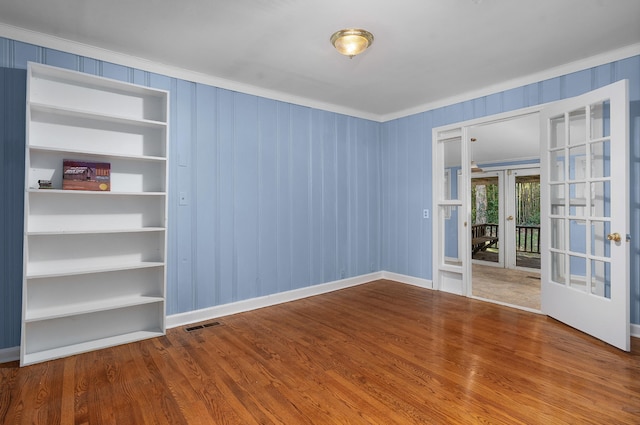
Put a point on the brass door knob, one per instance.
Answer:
(614, 237)
(510, 218)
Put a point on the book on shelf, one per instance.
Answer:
(83, 175)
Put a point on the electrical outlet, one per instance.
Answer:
(425, 213)
(182, 198)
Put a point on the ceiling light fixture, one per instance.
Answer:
(352, 41)
(475, 168)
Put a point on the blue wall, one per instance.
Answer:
(406, 161)
(281, 196)
(13, 84)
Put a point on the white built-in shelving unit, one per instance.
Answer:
(94, 262)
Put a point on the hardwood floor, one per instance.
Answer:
(379, 353)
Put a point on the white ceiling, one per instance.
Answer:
(424, 50)
(509, 140)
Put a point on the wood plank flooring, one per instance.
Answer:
(379, 353)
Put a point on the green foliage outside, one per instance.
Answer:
(485, 203)
(527, 204)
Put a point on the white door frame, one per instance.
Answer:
(445, 277)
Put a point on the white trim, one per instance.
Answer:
(10, 354)
(182, 319)
(52, 42)
(635, 330)
(504, 304)
(408, 280)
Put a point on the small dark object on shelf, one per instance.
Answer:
(45, 184)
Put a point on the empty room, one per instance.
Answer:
(294, 212)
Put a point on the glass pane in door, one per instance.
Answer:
(485, 215)
(527, 190)
(450, 249)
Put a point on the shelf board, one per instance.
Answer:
(94, 192)
(94, 231)
(97, 154)
(66, 76)
(79, 113)
(76, 309)
(55, 353)
(71, 271)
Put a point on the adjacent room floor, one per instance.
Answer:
(510, 286)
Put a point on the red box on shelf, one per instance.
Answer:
(83, 175)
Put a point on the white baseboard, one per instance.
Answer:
(409, 280)
(635, 330)
(182, 319)
(10, 354)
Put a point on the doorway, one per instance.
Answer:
(582, 150)
(505, 217)
(503, 154)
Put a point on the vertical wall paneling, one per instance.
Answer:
(551, 90)
(514, 99)
(359, 211)
(403, 195)
(268, 233)
(7, 55)
(494, 104)
(183, 221)
(342, 196)
(300, 170)
(24, 53)
(205, 197)
(577, 83)
(116, 72)
(283, 199)
(330, 269)
(427, 198)
(61, 59)
(245, 145)
(316, 144)
(226, 259)
(414, 187)
(532, 94)
(91, 66)
(373, 198)
(13, 84)
(390, 166)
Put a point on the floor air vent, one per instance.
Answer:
(205, 325)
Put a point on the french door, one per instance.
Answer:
(488, 243)
(584, 189)
(584, 223)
